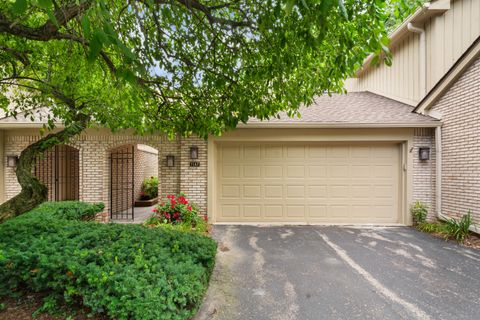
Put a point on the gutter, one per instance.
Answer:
(335, 125)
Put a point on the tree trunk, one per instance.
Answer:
(33, 191)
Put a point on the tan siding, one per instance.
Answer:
(447, 37)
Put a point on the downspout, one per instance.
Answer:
(438, 172)
(423, 57)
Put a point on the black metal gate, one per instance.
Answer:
(122, 179)
(59, 170)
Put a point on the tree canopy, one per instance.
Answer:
(182, 66)
(174, 66)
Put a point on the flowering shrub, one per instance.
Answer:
(177, 211)
(149, 188)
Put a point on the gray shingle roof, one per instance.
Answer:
(354, 108)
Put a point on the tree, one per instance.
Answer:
(172, 66)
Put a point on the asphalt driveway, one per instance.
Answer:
(314, 272)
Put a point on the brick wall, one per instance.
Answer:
(424, 170)
(94, 146)
(194, 179)
(460, 110)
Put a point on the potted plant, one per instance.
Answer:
(149, 193)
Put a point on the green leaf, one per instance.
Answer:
(289, 7)
(96, 46)
(19, 7)
(45, 4)
(85, 22)
(52, 17)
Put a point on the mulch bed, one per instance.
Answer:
(472, 241)
(24, 307)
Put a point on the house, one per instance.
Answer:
(403, 133)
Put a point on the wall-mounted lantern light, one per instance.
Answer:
(193, 152)
(424, 153)
(12, 161)
(170, 161)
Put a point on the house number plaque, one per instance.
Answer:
(194, 164)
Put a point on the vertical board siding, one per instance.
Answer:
(448, 36)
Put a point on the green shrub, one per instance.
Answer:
(458, 229)
(69, 210)
(149, 188)
(419, 212)
(431, 227)
(176, 213)
(123, 271)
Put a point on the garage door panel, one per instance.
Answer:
(313, 182)
(361, 153)
(273, 192)
(317, 171)
(252, 211)
(274, 171)
(295, 152)
(317, 191)
(361, 191)
(231, 153)
(317, 211)
(338, 211)
(384, 171)
(230, 191)
(230, 211)
(295, 192)
(295, 171)
(252, 191)
(360, 171)
(295, 211)
(273, 211)
(231, 171)
(252, 171)
(252, 153)
(317, 152)
(338, 171)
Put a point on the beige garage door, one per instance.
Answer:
(308, 182)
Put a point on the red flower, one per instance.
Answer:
(167, 215)
(173, 207)
(205, 217)
(189, 208)
(155, 210)
(176, 215)
(182, 200)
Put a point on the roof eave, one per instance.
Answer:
(336, 125)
